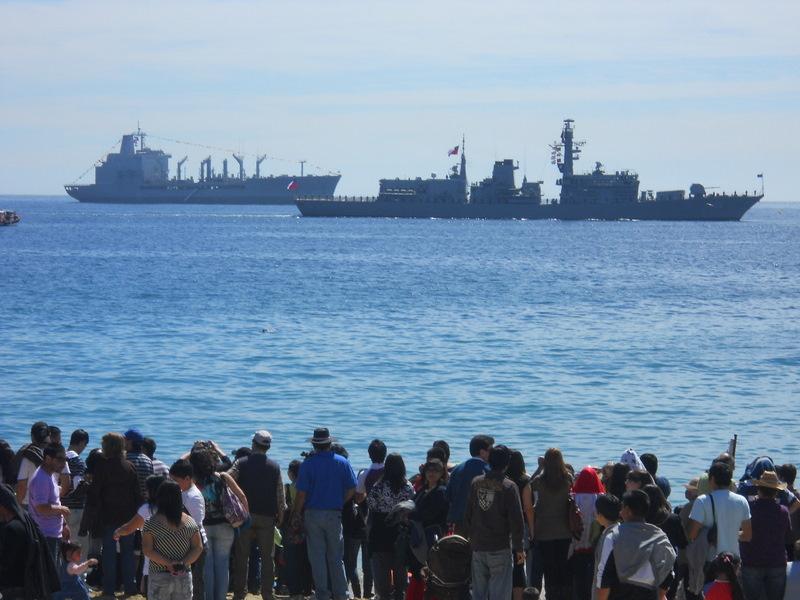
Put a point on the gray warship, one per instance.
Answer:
(597, 195)
(140, 175)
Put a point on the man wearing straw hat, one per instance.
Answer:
(764, 556)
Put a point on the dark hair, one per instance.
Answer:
(499, 457)
(337, 448)
(68, 548)
(438, 454)
(721, 473)
(79, 436)
(616, 485)
(203, 463)
(480, 442)
(638, 502)
(516, 466)
(294, 467)
(650, 462)
(152, 483)
(149, 447)
(53, 451)
(531, 593)
(434, 463)
(39, 432)
(394, 472)
(787, 473)
(169, 501)
(94, 457)
(659, 507)
(554, 472)
(767, 492)
(643, 478)
(727, 564)
(444, 446)
(181, 468)
(326, 447)
(242, 452)
(53, 432)
(609, 506)
(377, 451)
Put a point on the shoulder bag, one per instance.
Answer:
(712, 532)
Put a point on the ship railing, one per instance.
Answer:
(340, 198)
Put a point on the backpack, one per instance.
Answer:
(7, 463)
(30, 451)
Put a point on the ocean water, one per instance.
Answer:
(197, 322)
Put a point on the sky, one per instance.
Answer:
(679, 91)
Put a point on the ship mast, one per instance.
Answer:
(463, 160)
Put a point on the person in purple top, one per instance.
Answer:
(325, 483)
(44, 501)
(764, 556)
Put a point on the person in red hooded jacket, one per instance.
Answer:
(586, 489)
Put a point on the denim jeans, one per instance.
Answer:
(491, 575)
(762, 582)
(218, 554)
(109, 562)
(326, 553)
(166, 586)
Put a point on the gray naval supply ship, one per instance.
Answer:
(596, 195)
(140, 175)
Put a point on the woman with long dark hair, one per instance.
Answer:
(116, 496)
(387, 564)
(219, 533)
(171, 540)
(550, 524)
(619, 475)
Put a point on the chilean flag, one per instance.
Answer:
(453, 151)
(293, 185)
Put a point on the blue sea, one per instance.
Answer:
(197, 322)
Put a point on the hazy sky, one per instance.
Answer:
(679, 91)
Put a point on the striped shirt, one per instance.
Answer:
(170, 542)
(144, 468)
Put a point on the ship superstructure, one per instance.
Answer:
(138, 174)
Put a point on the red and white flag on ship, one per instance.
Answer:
(453, 151)
(293, 185)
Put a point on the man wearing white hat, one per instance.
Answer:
(260, 479)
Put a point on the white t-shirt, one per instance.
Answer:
(362, 477)
(26, 471)
(731, 511)
(195, 504)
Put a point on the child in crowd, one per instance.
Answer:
(73, 585)
(725, 571)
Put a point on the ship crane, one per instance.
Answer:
(240, 159)
(180, 166)
(205, 169)
(259, 160)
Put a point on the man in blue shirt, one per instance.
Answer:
(461, 479)
(325, 482)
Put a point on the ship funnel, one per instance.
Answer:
(128, 145)
(240, 160)
(259, 160)
(180, 166)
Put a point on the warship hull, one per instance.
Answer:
(709, 208)
(263, 190)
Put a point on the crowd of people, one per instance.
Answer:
(116, 518)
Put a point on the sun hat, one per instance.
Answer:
(322, 436)
(262, 437)
(769, 479)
